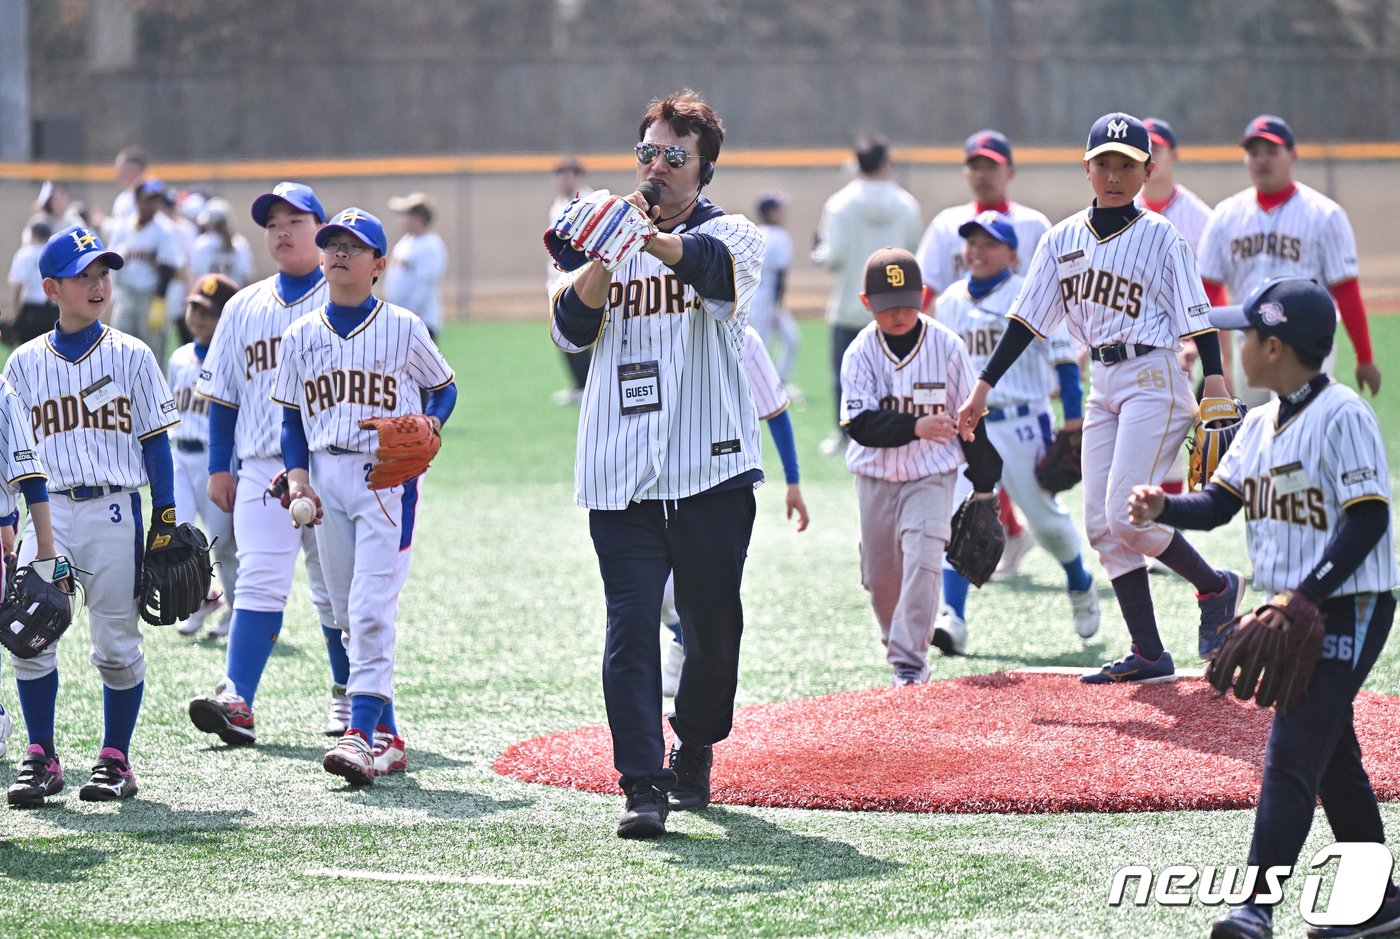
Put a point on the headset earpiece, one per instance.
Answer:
(707, 172)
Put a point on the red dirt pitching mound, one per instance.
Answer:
(1008, 742)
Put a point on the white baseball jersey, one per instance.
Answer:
(936, 376)
(1138, 286)
(24, 272)
(1296, 480)
(777, 258)
(89, 415)
(980, 323)
(1187, 211)
(660, 338)
(380, 370)
(210, 255)
(416, 264)
(242, 361)
(1307, 236)
(183, 373)
(940, 251)
(770, 397)
(143, 249)
(19, 456)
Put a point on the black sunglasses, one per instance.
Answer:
(675, 157)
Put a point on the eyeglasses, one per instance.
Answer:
(675, 157)
(351, 249)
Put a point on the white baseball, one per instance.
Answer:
(303, 511)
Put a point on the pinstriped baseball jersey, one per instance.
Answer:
(379, 370)
(1307, 236)
(769, 395)
(1138, 286)
(706, 428)
(980, 323)
(243, 357)
(936, 376)
(1296, 480)
(19, 455)
(90, 415)
(182, 372)
(940, 249)
(1188, 212)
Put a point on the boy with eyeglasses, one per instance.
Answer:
(668, 456)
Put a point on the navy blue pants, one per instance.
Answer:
(1312, 749)
(705, 540)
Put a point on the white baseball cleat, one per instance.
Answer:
(221, 627)
(1085, 604)
(671, 668)
(949, 632)
(351, 758)
(1017, 547)
(338, 717)
(196, 620)
(390, 753)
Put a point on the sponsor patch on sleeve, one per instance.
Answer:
(22, 456)
(168, 407)
(1357, 476)
(206, 375)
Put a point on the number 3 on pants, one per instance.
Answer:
(116, 512)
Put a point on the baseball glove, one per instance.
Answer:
(598, 227)
(1219, 422)
(407, 445)
(977, 541)
(1272, 664)
(39, 607)
(1059, 469)
(176, 572)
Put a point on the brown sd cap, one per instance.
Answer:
(211, 292)
(892, 278)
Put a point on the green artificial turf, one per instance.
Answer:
(500, 639)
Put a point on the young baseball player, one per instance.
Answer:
(23, 473)
(988, 169)
(771, 398)
(191, 441)
(1310, 471)
(154, 255)
(1280, 227)
(668, 457)
(1124, 282)
(100, 409)
(769, 316)
(1019, 424)
(896, 380)
(357, 358)
(243, 421)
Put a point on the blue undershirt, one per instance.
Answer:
(292, 287)
(977, 288)
(781, 429)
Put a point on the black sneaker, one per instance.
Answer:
(112, 778)
(39, 777)
(1245, 921)
(692, 768)
(645, 816)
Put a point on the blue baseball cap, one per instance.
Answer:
(359, 223)
(991, 144)
(152, 187)
(994, 224)
(298, 196)
(1268, 127)
(1119, 133)
(1297, 310)
(1160, 131)
(71, 251)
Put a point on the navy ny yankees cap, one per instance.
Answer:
(1295, 309)
(1119, 133)
(71, 251)
(892, 278)
(298, 196)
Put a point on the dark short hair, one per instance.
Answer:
(41, 230)
(872, 152)
(685, 112)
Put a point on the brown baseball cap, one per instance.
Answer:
(211, 292)
(892, 278)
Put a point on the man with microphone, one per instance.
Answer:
(668, 445)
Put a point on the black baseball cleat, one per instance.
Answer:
(692, 768)
(645, 816)
(1245, 921)
(1386, 920)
